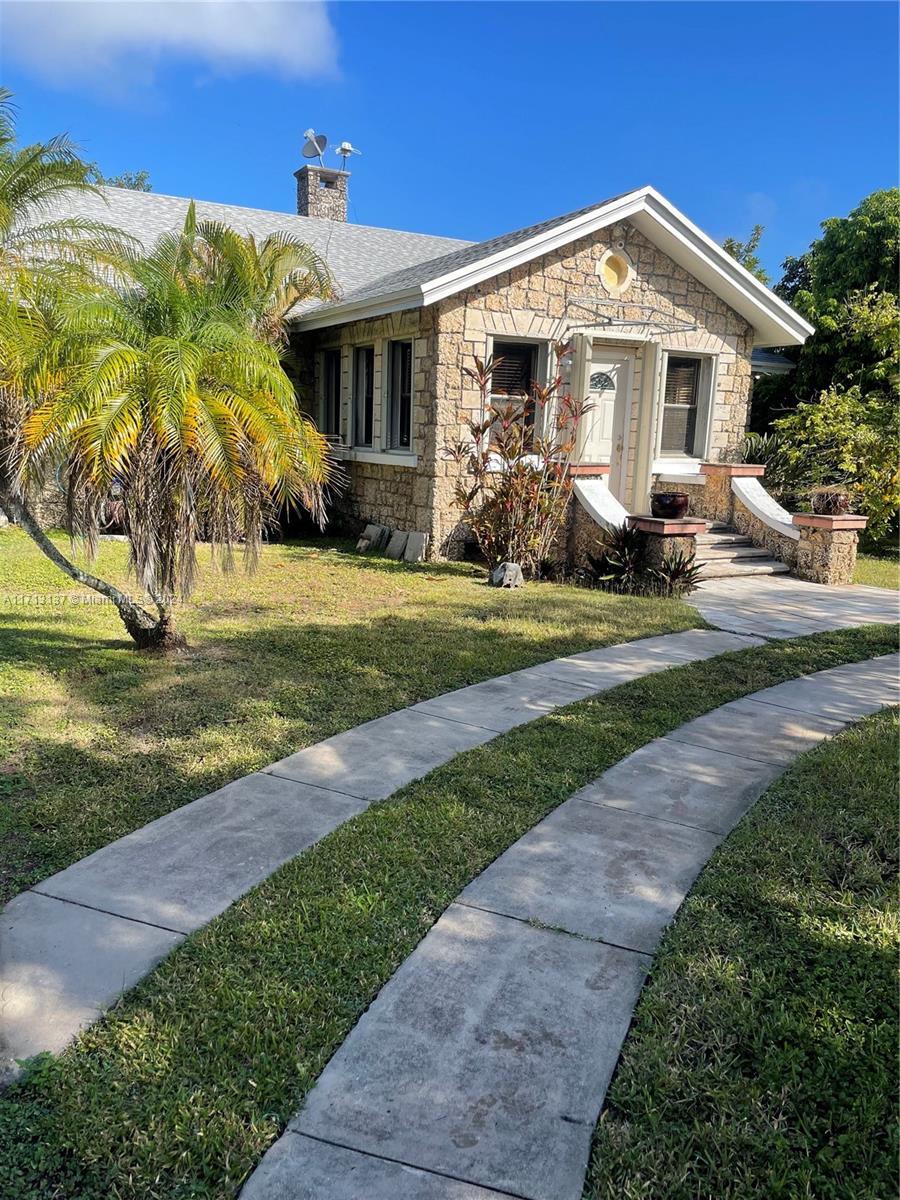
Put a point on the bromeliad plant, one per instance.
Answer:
(517, 478)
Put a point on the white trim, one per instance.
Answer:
(599, 502)
(385, 458)
(666, 472)
(707, 395)
(754, 496)
(774, 322)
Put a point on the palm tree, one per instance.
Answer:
(168, 391)
(167, 385)
(264, 279)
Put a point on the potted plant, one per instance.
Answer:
(672, 505)
(830, 500)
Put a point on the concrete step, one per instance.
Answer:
(730, 551)
(729, 569)
(723, 539)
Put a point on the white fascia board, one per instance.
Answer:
(775, 323)
(542, 243)
(341, 314)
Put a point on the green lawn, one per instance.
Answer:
(180, 1089)
(96, 740)
(877, 572)
(762, 1059)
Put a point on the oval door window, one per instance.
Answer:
(601, 381)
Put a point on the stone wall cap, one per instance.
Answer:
(589, 469)
(734, 469)
(668, 526)
(821, 521)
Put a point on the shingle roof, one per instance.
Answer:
(471, 252)
(356, 254)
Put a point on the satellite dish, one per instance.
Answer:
(344, 151)
(314, 146)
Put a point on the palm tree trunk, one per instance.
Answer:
(147, 632)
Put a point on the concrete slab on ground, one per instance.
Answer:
(485, 1057)
(375, 759)
(596, 872)
(760, 731)
(840, 694)
(501, 704)
(676, 781)
(183, 869)
(301, 1168)
(61, 965)
(782, 606)
(600, 669)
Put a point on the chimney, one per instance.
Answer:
(322, 192)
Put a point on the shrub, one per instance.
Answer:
(517, 481)
(622, 567)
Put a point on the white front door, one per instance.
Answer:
(603, 430)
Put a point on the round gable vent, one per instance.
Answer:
(616, 271)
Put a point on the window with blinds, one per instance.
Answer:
(514, 369)
(363, 395)
(331, 393)
(680, 401)
(400, 395)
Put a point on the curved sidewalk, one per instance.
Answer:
(75, 942)
(480, 1069)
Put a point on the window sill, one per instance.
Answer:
(384, 458)
(682, 465)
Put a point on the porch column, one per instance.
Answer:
(827, 549)
(639, 500)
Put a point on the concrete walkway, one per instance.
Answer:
(481, 1067)
(780, 606)
(72, 944)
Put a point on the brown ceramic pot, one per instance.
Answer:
(671, 505)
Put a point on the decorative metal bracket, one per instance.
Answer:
(651, 320)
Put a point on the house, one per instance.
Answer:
(661, 321)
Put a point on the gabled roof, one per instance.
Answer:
(774, 322)
(356, 254)
(386, 270)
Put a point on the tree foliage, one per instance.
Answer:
(160, 378)
(133, 181)
(746, 253)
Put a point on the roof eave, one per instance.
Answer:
(341, 314)
(773, 321)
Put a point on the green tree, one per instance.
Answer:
(745, 253)
(168, 386)
(133, 181)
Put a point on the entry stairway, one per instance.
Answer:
(722, 553)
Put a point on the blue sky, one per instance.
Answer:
(481, 117)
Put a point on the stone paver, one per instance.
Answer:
(597, 872)
(495, 1075)
(183, 869)
(61, 965)
(301, 1168)
(485, 1059)
(177, 873)
(781, 606)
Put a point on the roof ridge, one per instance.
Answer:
(275, 212)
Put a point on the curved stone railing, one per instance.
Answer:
(751, 493)
(599, 502)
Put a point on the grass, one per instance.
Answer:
(96, 740)
(762, 1058)
(177, 1092)
(878, 571)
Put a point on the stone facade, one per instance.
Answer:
(536, 302)
(322, 192)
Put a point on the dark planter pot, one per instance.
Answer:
(830, 502)
(672, 505)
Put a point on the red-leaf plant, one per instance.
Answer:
(516, 479)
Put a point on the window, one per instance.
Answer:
(400, 395)
(331, 393)
(363, 394)
(513, 375)
(680, 403)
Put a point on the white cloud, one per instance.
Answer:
(115, 45)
